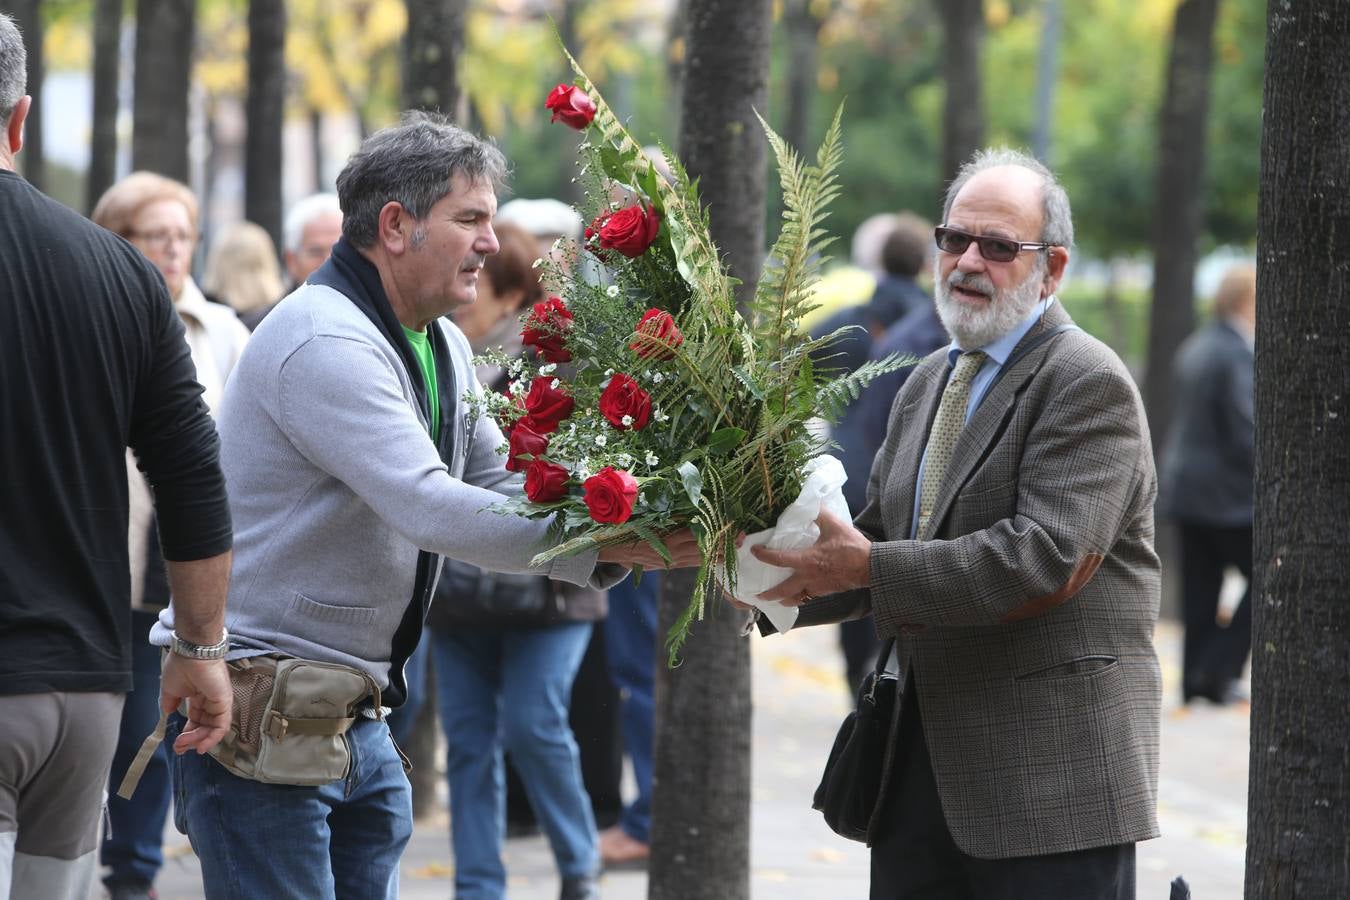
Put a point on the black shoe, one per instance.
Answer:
(579, 887)
(131, 890)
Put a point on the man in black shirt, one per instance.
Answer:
(92, 360)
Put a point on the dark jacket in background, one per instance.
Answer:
(917, 334)
(1208, 460)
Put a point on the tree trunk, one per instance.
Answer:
(1178, 204)
(803, 38)
(963, 109)
(107, 76)
(165, 31)
(264, 111)
(676, 36)
(1298, 832)
(1047, 72)
(701, 777)
(33, 161)
(435, 42)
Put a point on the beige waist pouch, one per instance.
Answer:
(288, 725)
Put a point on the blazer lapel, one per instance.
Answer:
(985, 426)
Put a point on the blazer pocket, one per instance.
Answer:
(1092, 664)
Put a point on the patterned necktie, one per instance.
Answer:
(951, 417)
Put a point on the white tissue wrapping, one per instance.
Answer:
(796, 529)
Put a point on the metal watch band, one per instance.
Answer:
(201, 651)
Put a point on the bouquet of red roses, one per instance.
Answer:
(654, 403)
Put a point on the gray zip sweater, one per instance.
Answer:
(334, 485)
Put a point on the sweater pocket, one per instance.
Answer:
(346, 629)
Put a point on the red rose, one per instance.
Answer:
(546, 329)
(545, 481)
(622, 397)
(631, 230)
(610, 495)
(523, 440)
(547, 405)
(571, 105)
(658, 336)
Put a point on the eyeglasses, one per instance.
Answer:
(994, 249)
(163, 237)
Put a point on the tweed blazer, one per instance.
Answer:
(1024, 620)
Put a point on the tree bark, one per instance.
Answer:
(803, 38)
(701, 773)
(435, 42)
(165, 32)
(107, 78)
(33, 161)
(264, 111)
(1178, 205)
(1298, 831)
(963, 108)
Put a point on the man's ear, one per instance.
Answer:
(394, 228)
(14, 128)
(1057, 259)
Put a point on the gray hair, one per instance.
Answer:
(13, 67)
(411, 163)
(301, 214)
(1057, 222)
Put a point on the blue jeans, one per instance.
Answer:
(133, 851)
(280, 842)
(630, 641)
(509, 689)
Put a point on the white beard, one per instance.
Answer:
(974, 326)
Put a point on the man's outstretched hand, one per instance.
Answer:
(205, 685)
(682, 546)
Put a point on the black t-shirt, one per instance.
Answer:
(92, 360)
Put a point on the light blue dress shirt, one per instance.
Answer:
(997, 354)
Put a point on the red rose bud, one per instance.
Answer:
(658, 336)
(545, 481)
(623, 398)
(610, 495)
(523, 440)
(547, 405)
(570, 105)
(631, 230)
(546, 330)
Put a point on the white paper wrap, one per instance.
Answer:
(796, 529)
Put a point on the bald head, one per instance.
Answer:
(1015, 167)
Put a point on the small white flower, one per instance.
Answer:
(623, 460)
(601, 440)
(554, 384)
(548, 369)
(609, 372)
(518, 386)
(661, 416)
(537, 263)
(657, 378)
(652, 459)
(612, 291)
(557, 244)
(627, 421)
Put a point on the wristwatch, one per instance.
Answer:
(200, 651)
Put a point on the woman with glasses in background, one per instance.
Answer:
(159, 217)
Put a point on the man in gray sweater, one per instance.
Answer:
(353, 465)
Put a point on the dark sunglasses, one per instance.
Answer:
(994, 249)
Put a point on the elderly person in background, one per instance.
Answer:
(242, 270)
(159, 216)
(1207, 471)
(313, 225)
(1007, 549)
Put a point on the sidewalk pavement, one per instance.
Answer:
(799, 702)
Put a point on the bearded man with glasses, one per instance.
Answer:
(1007, 548)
